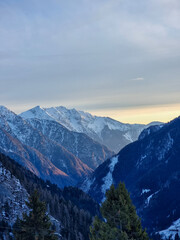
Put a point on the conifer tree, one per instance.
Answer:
(36, 224)
(121, 221)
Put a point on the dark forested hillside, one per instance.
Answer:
(150, 168)
(71, 206)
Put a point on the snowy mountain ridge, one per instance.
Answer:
(41, 155)
(49, 149)
(109, 132)
(73, 119)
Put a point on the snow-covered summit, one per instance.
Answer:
(104, 130)
(75, 120)
(79, 120)
(45, 157)
(6, 113)
(36, 112)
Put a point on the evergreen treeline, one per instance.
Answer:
(71, 206)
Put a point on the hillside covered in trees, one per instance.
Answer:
(71, 207)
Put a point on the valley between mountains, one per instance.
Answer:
(61, 145)
(71, 148)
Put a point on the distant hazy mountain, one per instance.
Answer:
(46, 158)
(150, 168)
(111, 133)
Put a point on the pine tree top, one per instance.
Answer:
(36, 224)
(121, 221)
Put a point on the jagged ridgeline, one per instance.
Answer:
(71, 206)
(104, 130)
(48, 149)
(60, 149)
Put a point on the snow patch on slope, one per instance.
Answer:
(128, 137)
(145, 191)
(140, 161)
(87, 185)
(150, 197)
(108, 180)
(171, 231)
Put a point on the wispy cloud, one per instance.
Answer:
(138, 79)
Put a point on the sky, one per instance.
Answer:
(116, 58)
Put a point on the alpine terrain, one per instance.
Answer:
(150, 169)
(70, 210)
(109, 132)
(44, 157)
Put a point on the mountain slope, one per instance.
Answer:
(10, 191)
(71, 210)
(150, 168)
(44, 157)
(80, 145)
(111, 133)
(32, 160)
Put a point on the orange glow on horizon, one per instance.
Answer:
(144, 115)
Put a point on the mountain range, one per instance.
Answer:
(66, 146)
(61, 145)
(44, 157)
(150, 169)
(104, 130)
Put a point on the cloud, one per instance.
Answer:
(62, 51)
(138, 79)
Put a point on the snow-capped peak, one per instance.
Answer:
(70, 118)
(7, 114)
(75, 120)
(81, 121)
(98, 128)
(5, 111)
(36, 112)
(3, 108)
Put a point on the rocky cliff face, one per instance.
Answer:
(12, 197)
(70, 209)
